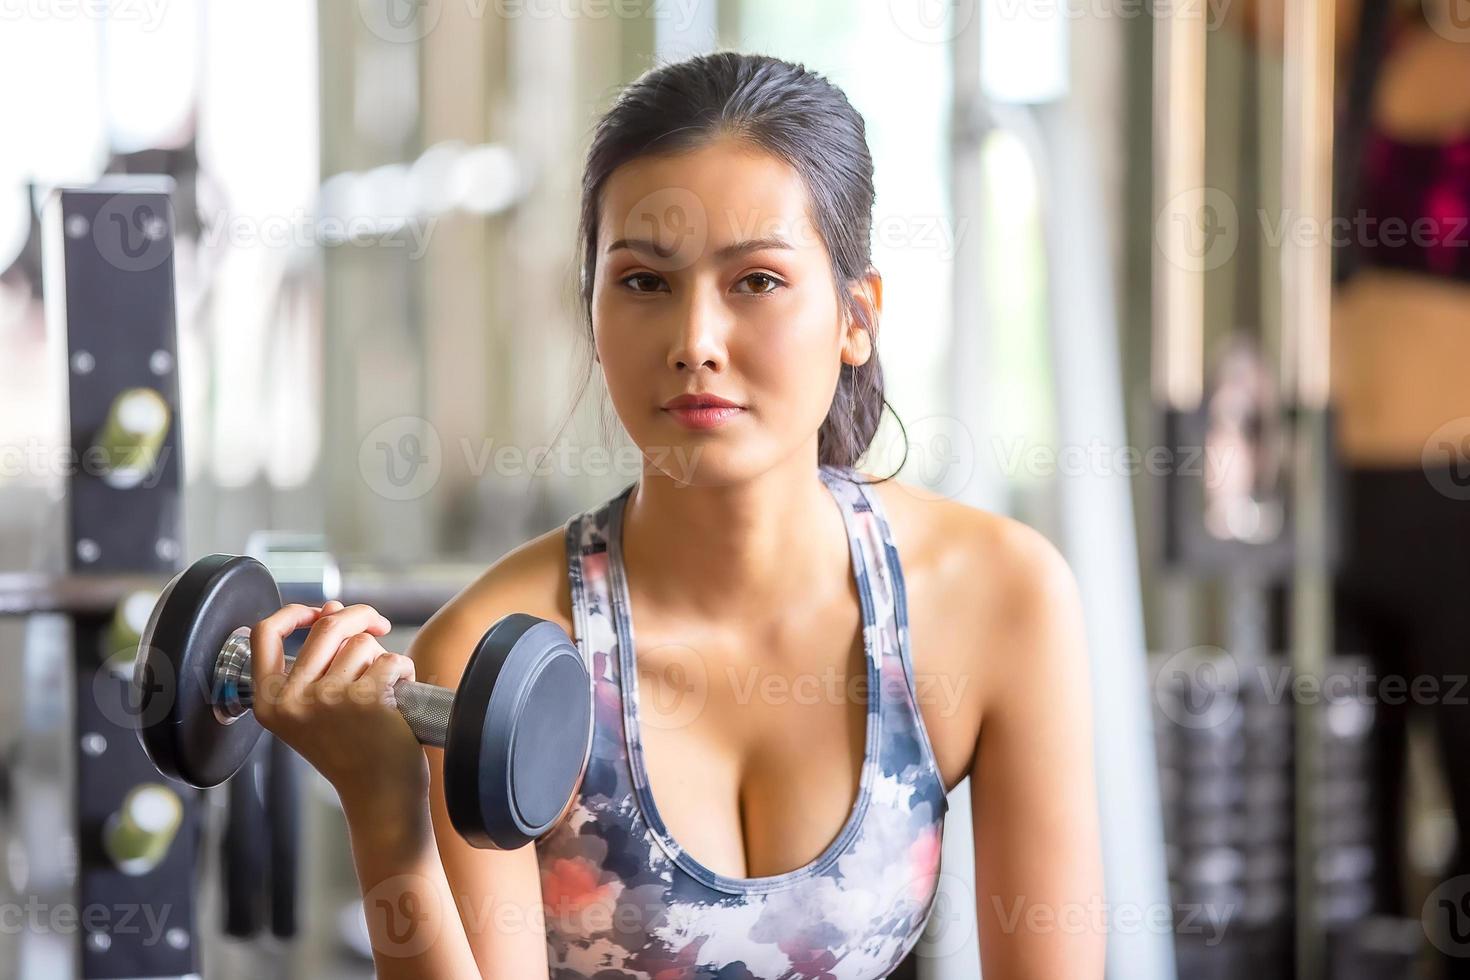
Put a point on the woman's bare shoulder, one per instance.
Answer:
(987, 595)
(1002, 581)
(967, 547)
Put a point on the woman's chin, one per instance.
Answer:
(696, 462)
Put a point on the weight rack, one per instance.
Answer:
(111, 283)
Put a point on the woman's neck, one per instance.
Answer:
(738, 550)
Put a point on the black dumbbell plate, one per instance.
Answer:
(520, 734)
(174, 671)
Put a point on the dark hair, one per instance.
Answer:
(794, 114)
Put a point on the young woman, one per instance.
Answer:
(794, 662)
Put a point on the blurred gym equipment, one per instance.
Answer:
(1266, 814)
(133, 847)
(109, 292)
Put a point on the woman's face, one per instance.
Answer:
(712, 279)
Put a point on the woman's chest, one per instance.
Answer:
(754, 739)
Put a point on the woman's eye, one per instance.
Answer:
(649, 280)
(766, 283)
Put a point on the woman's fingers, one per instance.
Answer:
(354, 656)
(390, 668)
(387, 671)
(335, 625)
(267, 650)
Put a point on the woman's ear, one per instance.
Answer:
(857, 346)
(857, 342)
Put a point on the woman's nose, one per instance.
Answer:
(699, 333)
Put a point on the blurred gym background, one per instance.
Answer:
(373, 253)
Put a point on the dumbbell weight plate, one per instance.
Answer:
(173, 674)
(520, 734)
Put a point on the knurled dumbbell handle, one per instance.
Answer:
(424, 706)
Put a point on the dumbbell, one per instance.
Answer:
(516, 733)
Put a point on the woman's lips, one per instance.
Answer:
(704, 416)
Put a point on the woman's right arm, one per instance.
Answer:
(413, 922)
(335, 707)
(497, 894)
(435, 906)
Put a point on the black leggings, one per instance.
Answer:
(1402, 599)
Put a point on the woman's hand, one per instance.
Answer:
(336, 705)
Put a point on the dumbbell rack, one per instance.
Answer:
(1225, 746)
(1243, 815)
(110, 280)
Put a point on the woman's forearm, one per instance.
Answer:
(412, 919)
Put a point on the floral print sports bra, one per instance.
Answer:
(624, 901)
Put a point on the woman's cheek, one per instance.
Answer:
(786, 375)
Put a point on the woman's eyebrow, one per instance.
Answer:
(721, 253)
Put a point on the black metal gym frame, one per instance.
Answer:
(113, 283)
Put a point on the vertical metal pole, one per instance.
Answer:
(1095, 520)
(1097, 535)
(1179, 148)
(1306, 266)
(1306, 297)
